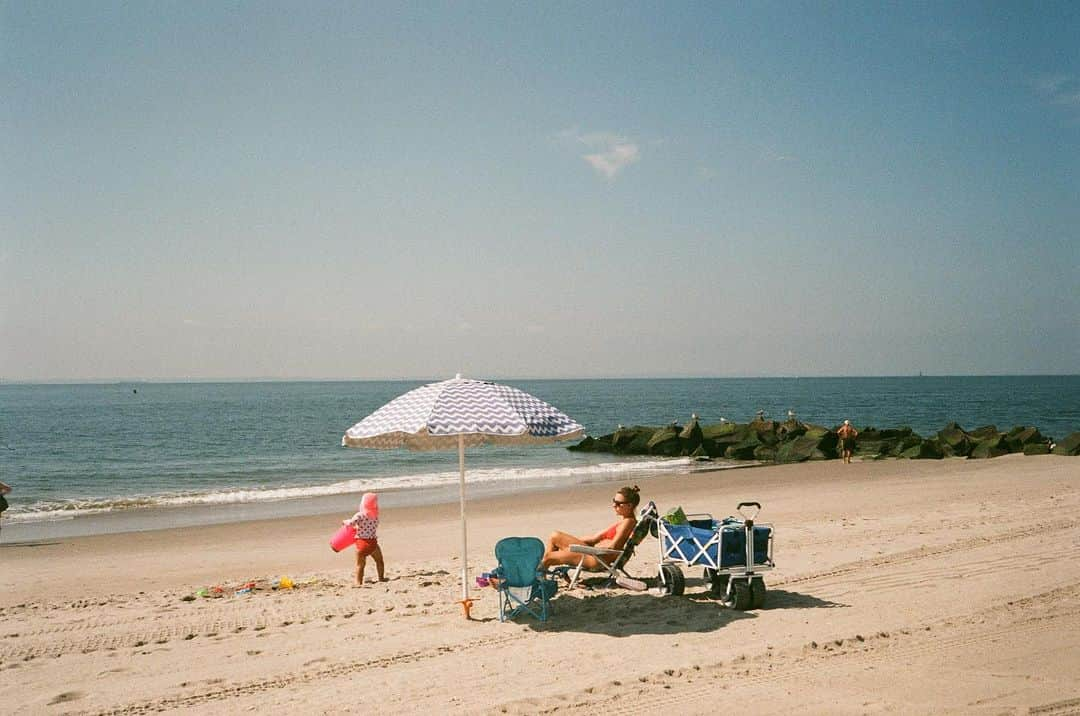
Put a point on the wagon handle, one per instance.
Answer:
(748, 504)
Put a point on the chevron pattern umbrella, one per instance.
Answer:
(461, 413)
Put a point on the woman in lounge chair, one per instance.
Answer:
(625, 505)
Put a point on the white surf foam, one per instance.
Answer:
(70, 509)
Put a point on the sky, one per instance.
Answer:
(208, 190)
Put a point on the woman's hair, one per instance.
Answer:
(631, 494)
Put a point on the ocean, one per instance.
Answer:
(75, 450)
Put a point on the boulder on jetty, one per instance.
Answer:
(691, 436)
(986, 431)
(631, 441)
(1022, 435)
(924, 450)
(991, 447)
(665, 441)
(889, 442)
(800, 449)
(1068, 446)
(745, 449)
(794, 441)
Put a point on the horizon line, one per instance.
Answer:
(428, 379)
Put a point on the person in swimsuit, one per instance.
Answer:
(625, 504)
(847, 435)
(366, 522)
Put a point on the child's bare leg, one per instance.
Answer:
(379, 566)
(360, 560)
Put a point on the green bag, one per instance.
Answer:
(675, 516)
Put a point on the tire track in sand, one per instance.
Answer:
(212, 620)
(685, 690)
(348, 668)
(920, 553)
(87, 637)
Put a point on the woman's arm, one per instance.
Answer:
(591, 541)
(4, 488)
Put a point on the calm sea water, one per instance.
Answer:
(79, 449)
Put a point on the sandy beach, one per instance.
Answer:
(901, 586)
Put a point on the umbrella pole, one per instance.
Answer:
(466, 603)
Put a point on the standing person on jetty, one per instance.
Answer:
(847, 435)
(366, 522)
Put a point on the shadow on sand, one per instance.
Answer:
(783, 599)
(618, 612)
(622, 613)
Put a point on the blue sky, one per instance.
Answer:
(195, 190)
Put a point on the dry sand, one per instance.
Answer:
(904, 587)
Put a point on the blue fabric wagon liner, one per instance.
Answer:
(716, 544)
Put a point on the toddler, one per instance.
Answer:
(366, 522)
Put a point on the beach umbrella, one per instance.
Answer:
(462, 413)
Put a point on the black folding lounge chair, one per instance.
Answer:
(613, 561)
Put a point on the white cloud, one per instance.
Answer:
(614, 160)
(611, 152)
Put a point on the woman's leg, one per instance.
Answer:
(561, 540)
(379, 566)
(565, 556)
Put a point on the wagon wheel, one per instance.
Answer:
(717, 582)
(672, 580)
(757, 593)
(740, 596)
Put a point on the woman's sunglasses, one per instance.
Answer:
(619, 502)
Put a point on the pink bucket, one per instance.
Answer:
(343, 538)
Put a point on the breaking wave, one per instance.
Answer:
(51, 510)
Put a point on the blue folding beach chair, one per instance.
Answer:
(522, 585)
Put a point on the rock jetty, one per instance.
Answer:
(795, 441)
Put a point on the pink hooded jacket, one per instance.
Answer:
(366, 519)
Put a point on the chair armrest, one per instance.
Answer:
(594, 551)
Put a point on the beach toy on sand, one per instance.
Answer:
(286, 583)
(343, 538)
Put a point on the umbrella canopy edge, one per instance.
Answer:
(425, 441)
